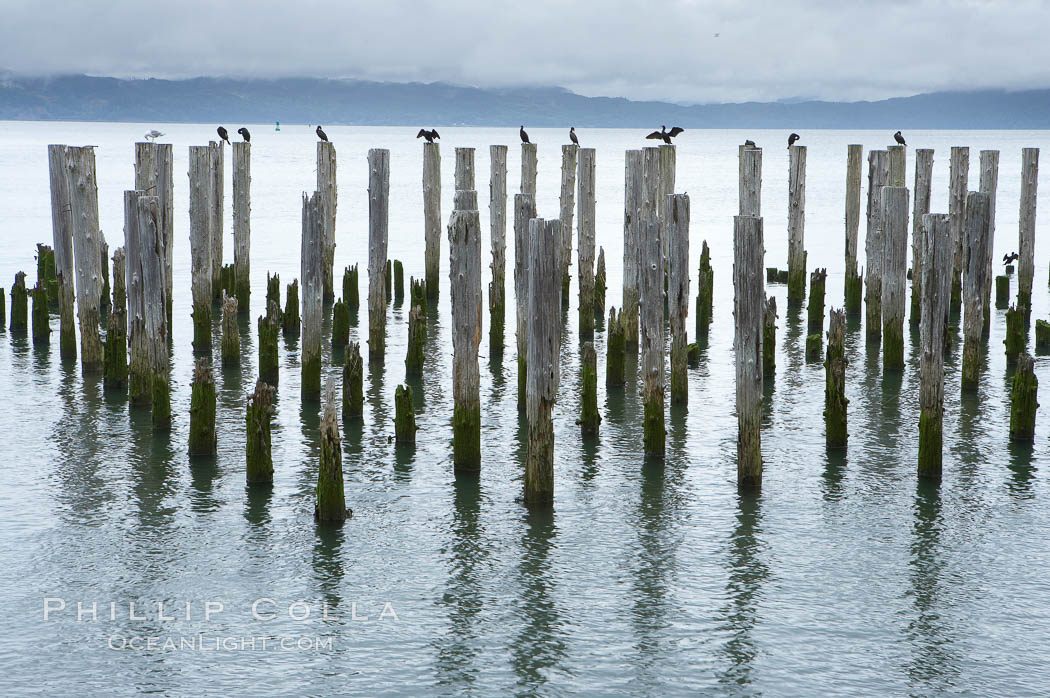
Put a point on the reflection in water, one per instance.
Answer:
(589, 455)
(834, 472)
(747, 573)
(539, 648)
(1022, 471)
(153, 473)
(934, 664)
(310, 419)
(794, 347)
(328, 565)
(258, 496)
(82, 488)
(203, 471)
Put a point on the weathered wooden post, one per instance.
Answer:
(231, 337)
(567, 206)
(706, 283)
(498, 236)
(589, 415)
(216, 189)
(464, 172)
(633, 195)
(41, 318)
(665, 184)
(543, 372)
(677, 227)
(202, 409)
(988, 185)
(378, 218)
(796, 224)
(404, 415)
(84, 211)
(151, 256)
(1042, 337)
(115, 373)
(62, 232)
(957, 187)
(898, 163)
(103, 264)
(291, 325)
(140, 377)
(327, 188)
(273, 291)
(1026, 227)
(750, 184)
(201, 247)
(815, 312)
(3, 310)
(524, 211)
(614, 362)
(340, 325)
(464, 237)
(258, 456)
(938, 253)
(331, 500)
(417, 336)
(528, 170)
(387, 276)
(312, 274)
(19, 304)
(650, 335)
(894, 219)
(1016, 335)
(351, 295)
(600, 285)
(878, 176)
(748, 301)
(353, 382)
(154, 175)
(769, 337)
(978, 251)
(242, 222)
(920, 207)
(1002, 291)
(120, 282)
(1024, 400)
(835, 400)
(399, 282)
(45, 272)
(854, 160)
(432, 215)
(585, 242)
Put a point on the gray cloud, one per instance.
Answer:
(764, 49)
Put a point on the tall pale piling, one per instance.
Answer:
(103, 264)
(957, 186)
(269, 324)
(938, 254)
(600, 285)
(331, 499)
(920, 207)
(83, 192)
(154, 174)
(651, 333)
(140, 376)
(498, 237)
(835, 400)
(62, 233)
(854, 163)
(19, 304)
(353, 382)
(665, 187)
(677, 227)
(258, 417)
(615, 349)
(327, 188)
(878, 176)
(200, 245)
(543, 372)
(815, 311)
(988, 185)
(978, 252)
(312, 274)
(464, 233)
(589, 416)
(796, 224)
(748, 302)
(1024, 395)
(151, 257)
(524, 211)
(706, 283)
(750, 184)
(464, 172)
(769, 337)
(242, 222)
(291, 325)
(202, 410)
(528, 169)
(898, 164)
(404, 415)
(41, 318)
(585, 241)
(120, 280)
(216, 190)
(633, 193)
(231, 336)
(894, 219)
(378, 219)
(432, 216)
(1026, 226)
(566, 208)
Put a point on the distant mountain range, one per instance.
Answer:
(312, 100)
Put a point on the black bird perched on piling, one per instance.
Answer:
(572, 135)
(244, 134)
(223, 134)
(664, 135)
(792, 138)
(524, 136)
(429, 135)
(899, 138)
(749, 144)
(321, 134)
(1008, 258)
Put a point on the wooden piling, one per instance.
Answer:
(103, 264)
(417, 337)
(351, 295)
(115, 373)
(291, 325)
(387, 277)
(202, 409)
(268, 327)
(340, 325)
(1002, 292)
(769, 337)
(84, 211)
(464, 233)
(894, 218)
(651, 334)
(242, 222)
(1042, 337)
(231, 336)
(62, 235)
(815, 310)
(796, 224)
(41, 318)
(978, 252)
(331, 500)
(329, 203)
(216, 190)
(404, 415)
(528, 170)
(668, 162)
(418, 294)
(140, 376)
(878, 176)
(988, 185)
(616, 345)
(120, 283)
(854, 161)
(498, 238)
(154, 175)
(937, 273)
(257, 452)
(813, 347)
(835, 400)
(1015, 333)
(567, 206)
(201, 247)
(1024, 395)
(589, 415)
(524, 211)
(273, 292)
(432, 216)
(19, 304)
(748, 302)
(3, 310)
(633, 194)
(45, 272)
(399, 282)
(585, 242)
(353, 382)
(543, 364)
(312, 274)
(898, 164)
(750, 185)
(957, 187)
(600, 285)
(920, 207)
(706, 284)
(1026, 226)
(378, 218)
(677, 227)
(151, 256)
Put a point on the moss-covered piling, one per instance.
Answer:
(589, 415)
(115, 359)
(45, 272)
(813, 348)
(258, 455)
(331, 500)
(291, 325)
(41, 317)
(769, 338)
(19, 304)
(417, 335)
(615, 376)
(351, 294)
(600, 285)
(268, 327)
(340, 325)
(388, 290)
(231, 336)
(1023, 400)
(404, 415)
(835, 400)
(202, 406)
(1015, 333)
(1042, 337)
(706, 285)
(815, 311)
(1002, 292)
(399, 282)
(353, 382)
(273, 292)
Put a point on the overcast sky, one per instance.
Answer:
(678, 50)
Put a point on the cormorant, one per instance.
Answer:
(899, 138)
(222, 134)
(1012, 257)
(429, 135)
(792, 138)
(572, 135)
(749, 144)
(321, 134)
(524, 136)
(664, 135)
(244, 134)
(153, 135)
